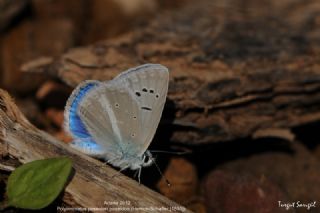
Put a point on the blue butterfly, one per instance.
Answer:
(116, 120)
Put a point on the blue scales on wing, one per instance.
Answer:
(73, 124)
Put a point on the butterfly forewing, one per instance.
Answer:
(148, 85)
(124, 113)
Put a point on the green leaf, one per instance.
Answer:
(36, 184)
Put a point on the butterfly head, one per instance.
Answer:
(138, 162)
(147, 159)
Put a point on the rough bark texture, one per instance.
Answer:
(92, 183)
(236, 70)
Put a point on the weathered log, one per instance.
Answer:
(93, 184)
(232, 72)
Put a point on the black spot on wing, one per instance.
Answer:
(146, 108)
(138, 94)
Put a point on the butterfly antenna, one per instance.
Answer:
(170, 152)
(167, 181)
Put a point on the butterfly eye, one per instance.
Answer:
(133, 135)
(146, 158)
(134, 117)
(116, 105)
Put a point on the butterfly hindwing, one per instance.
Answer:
(72, 122)
(89, 146)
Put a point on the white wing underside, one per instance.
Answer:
(122, 115)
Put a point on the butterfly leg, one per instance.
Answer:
(135, 174)
(113, 159)
(139, 174)
(119, 172)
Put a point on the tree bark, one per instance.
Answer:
(235, 72)
(92, 184)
